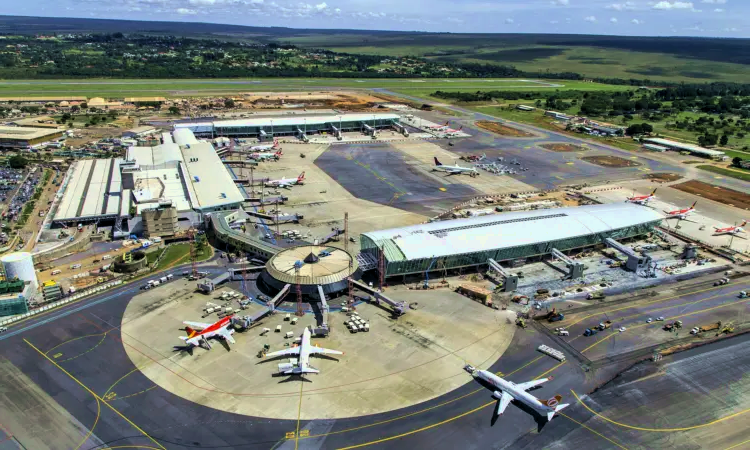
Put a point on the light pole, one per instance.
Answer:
(272, 135)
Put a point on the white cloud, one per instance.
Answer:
(636, 22)
(454, 20)
(321, 6)
(509, 21)
(201, 2)
(627, 6)
(666, 6)
(590, 19)
(561, 2)
(613, 20)
(186, 11)
(337, 11)
(718, 10)
(714, 2)
(730, 30)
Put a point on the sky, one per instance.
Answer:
(725, 18)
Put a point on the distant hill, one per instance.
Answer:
(657, 58)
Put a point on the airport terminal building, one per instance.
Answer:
(464, 243)
(266, 127)
(182, 172)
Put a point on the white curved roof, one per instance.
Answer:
(183, 136)
(453, 237)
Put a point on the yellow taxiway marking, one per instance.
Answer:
(98, 399)
(737, 445)
(592, 430)
(299, 414)
(442, 189)
(569, 163)
(658, 430)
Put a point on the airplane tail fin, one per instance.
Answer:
(437, 163)
(447, 122)
(693, 205)
(190, 332)
(744, 222)
(653, 192)
(301, 176)
(558, 408)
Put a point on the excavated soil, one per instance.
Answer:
(611, 161)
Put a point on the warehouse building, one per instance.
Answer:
(27, 137)
(183, 173)
(690, 148)
(266, 127)
(464, 243)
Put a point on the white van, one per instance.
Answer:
(55, 272)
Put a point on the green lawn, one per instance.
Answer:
(726, 172)
(118, 88)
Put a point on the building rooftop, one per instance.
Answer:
(683, 146)
(210, 184)
(507, 230)
(26, 132)
(289, 120)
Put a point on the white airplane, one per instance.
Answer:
(730, 230)
(681, 213)
(454, 170)
(642, 199)
(452, 131)
(505, 392)
(287, 183)
(199, 336)
(262, 156)
(304, 350)
(438, 127)
(260, 148)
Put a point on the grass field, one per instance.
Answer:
(116, 88)
(745, 176)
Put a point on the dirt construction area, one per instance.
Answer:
(340, 100)
(611, 161)
(662, 177)
(398, 363)
(503, 130)
(563, 148)
(719, 194)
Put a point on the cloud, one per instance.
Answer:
(714, 2)
(186, 11)
(553, 22)
(561, 2)
(627, 6)
(201, 2)
(613, 20)
(590, 19)
(718, 10)
(321, 6)
(509, 21)
(636, 22)
(730, 30)
(667, 6)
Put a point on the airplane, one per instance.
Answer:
(730, 230)
(475, 158)
(260, 148)
(452, 132)
(264, 156)
(454, 170)
(642, 199)
(287, 183)
(438, 127)
(303, 352)
(506, 391)
(681, 213)
(203, 331)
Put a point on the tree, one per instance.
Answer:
(724, 140)
(647, 128)
(736, 161)
(229, 103)
(634, 129)
(84, 105)
(174, 110)
(17, 162)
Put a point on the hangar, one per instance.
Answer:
(182, 172)
(263, 127)
(454, 244)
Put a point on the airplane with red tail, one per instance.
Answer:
(198, 333)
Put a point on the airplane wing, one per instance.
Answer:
(226, 335)
(324, 351)
(197, 325)
(288, 351)
(530, 384)
(503, 403)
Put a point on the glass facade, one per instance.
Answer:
(293, 130)
(397, 265)
(13, 306)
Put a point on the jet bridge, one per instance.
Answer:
(635, 261)
(575, 269)
(400, 128)
(398, 308)
(370, 131)
(336, 132)
(323, 328)
(302, 135)
(263, 134)
(510, 280)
